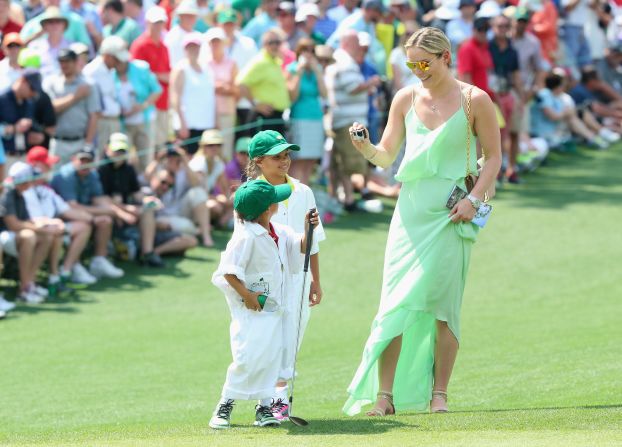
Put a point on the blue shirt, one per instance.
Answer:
(325, 26)
(10, 113)
(143, 82)
(541, 126)
(307, 106)
(71, 187)
(258, 26)
(581, 95)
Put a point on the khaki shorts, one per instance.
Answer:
(345, 159)
(162, 128)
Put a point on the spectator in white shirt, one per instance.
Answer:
(101, 73)
(187, 12)
(10, 69)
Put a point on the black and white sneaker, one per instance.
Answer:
(264, 417)
(222, 415)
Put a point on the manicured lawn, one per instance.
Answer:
(141, 362)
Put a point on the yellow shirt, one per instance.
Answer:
(264, 78)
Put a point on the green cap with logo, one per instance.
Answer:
(254, 197)
(269, 142)
(226, 16)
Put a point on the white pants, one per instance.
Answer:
(290, 323)
(257, 351)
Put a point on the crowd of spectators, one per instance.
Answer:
(125, 123)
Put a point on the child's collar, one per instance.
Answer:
(255, 228)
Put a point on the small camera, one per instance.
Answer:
(358, 134)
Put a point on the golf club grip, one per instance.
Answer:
(309, 242)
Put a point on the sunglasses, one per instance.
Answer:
(274, 42)
(13, 45)
(421, 65)
(167, 183)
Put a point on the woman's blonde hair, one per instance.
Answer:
(252, 170)
(429, 39)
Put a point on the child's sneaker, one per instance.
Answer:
(280, 410)
(222, 415)
(264, 417)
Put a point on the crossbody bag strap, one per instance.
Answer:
(468, 131)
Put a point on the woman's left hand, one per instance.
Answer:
(315, 294)
(462, 211)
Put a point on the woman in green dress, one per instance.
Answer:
(409, 356)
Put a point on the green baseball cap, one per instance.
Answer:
(29, 58)
(269, 142)
(255, 196)
(227, 16)
(242, 144)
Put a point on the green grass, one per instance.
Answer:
(141, 362)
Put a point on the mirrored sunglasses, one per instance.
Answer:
(421, 65)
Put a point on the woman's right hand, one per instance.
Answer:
(360, 145)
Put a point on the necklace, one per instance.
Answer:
(434, 108)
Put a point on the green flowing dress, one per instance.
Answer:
(426, 262)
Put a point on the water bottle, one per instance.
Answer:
(267, 304)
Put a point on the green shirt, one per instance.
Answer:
(264, 78)
(127, 29)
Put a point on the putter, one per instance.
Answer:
(300, 422)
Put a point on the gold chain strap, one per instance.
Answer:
(468, 141)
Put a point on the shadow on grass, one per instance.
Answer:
(509, 410)
(348, 426)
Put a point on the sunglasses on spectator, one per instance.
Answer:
(421, 65)
(13, 45)
(274, 42)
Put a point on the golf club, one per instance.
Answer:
(300, 422)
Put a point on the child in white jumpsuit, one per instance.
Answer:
(259, 260)
(272, 166)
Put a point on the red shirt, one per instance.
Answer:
(475, 59)
(156, 55)
(273, 235)
(9, 27)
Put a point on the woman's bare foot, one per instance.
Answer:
(384, 405)
(438, 404)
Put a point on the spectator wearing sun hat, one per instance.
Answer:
(74, 29)
(193, 97)
(187, 12)
(225, 70)
(150, 48)
(118, 24)
(210, 166)
(49, 45)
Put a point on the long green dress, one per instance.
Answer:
(426, 263)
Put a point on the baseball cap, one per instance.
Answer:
(22, 172)
(241, 146)
(255, 196)
(211, 136)
(85, 152)
(156, 14)
(269, 142)
(215, 33)
(67, 54)
(522, 14)
(29, 58)
(39, 154)
(489, 9)
(448, 10)
(115, 46)
(187, 7)
(33, 77)
(227, 16)
(53, 13)
(481, 24)
(305, 10)
(374, 4)
(464, 3)
(194, 37)
(118, 146)
(10, 38)
(79, 48)
(287, 7)
(364, 38)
